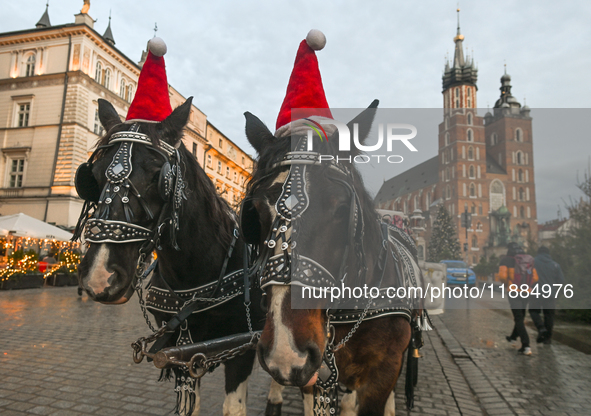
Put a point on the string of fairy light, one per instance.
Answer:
(67, 262)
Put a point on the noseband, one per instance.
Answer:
(95, 219)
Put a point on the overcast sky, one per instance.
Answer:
(237, 56)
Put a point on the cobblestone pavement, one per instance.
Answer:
(555, 380)
(65, 355)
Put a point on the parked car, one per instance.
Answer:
(458, 273)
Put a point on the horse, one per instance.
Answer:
(313, 225)
(145, 191)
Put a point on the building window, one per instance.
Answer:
(98, 72)
(235, 177)
(473, 209)
(221, 143)
(195, 149)
(219, 167)
(521, 212)
(457, 98)
(209, 161)
(130, 93)
(98, 128)
(446, 139)
(470, 136)
(519, 158)
(472, 172)
(520, 176)
(107, 78)
(480, 212)
(470, 153)
(493, 139)
(469, 114)
(519, 135)
(447, 192)
(447, 174)
(228, 172)
(521, 194)
(17, 169)
(474, 242)
(122, 89)
(472, 190)
(24, 110)
(479, 225)
(30, 67)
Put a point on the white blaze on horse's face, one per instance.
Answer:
(284, 355)
(98, 275)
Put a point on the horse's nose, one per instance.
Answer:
(297, 371)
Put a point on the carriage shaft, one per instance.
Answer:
(181, 355)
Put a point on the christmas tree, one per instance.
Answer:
(444, 243)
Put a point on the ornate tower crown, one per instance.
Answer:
(461, 70)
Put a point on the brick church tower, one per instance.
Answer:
(462, 150)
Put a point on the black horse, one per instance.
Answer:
(145, 191)
(340, 240)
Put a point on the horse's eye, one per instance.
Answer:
(342, 212)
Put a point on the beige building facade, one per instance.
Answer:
(51, 78)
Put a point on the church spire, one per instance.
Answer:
(108, 33)
(461, 70)
(44, 21)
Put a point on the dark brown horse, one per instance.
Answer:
(315, 226)
(150, 193)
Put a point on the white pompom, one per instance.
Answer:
(157, 46)
(316, 39)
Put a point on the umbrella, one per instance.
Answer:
(22, 225)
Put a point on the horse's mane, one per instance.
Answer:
(200, 187)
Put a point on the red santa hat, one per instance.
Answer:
(304, 90)
(151, 101)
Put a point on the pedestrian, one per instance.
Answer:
(549, 273)
(516, 268)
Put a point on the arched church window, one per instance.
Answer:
(470, 135)
(519, 135)
(472, 190)
(472, 172)
(474, 242)
(470, 153)
(469, 114)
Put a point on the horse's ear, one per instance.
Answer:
(364, 120)
(107, 114)
(257, 133)
(174, 124)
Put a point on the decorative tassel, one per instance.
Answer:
(426, 324)
(186, 397)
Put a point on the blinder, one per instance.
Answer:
(250, 225)
(86, 185)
